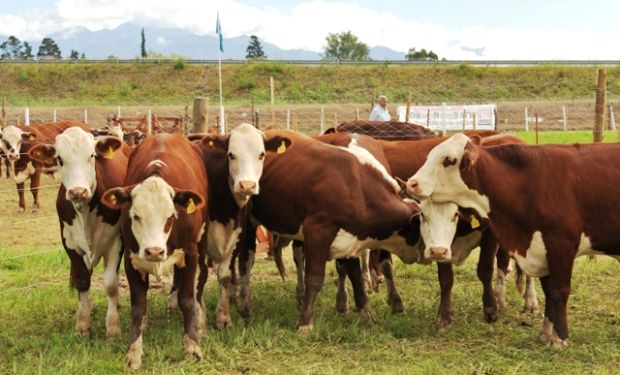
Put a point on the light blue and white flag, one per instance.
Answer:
(218, 30)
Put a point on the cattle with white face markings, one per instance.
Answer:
(551, 204)
(16, 141)
(87, 167)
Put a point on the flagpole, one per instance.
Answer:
(222, 126)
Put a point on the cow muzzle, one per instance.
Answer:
(13, 156)
(439, 253)
(247, 187)
(155, 254)
(78, 195)
(413, 188)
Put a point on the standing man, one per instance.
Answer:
(380, 112)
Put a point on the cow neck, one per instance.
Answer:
(222, 204)
(406, 157)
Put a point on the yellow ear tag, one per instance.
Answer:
(210, 143)
(282, 148)
(474, 222)
(109, 154)
(113, 199)
(191, 207)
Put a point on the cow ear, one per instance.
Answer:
(28, 136)
(188, 200)
(329, 130)
(116, 198)
(106, 146)
(215, 142)
(42, 152)
(476, 139)
(277, 144)
(470, 157)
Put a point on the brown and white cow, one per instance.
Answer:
(163, 204)
(339, 201)
(87, 167)
(16, 141)
(235, 163)
(551, 204)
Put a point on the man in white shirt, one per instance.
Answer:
(380, 112)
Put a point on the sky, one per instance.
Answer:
(475, 29)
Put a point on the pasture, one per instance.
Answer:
(38, 311)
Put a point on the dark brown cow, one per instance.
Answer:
(87, 167)
(551, 204)
(389, 130)
(337, 211)
(16, 141)
(163, 212)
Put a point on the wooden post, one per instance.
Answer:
(564, 117)
(600, 107)
(408, 110)
(200, 119)
(428, 117)
(322, 118)
(536, 119)
(357, 114)
(527, 121)
(3, 111)
(612, 119)
(464, 118)
(295, 121)
(257, 120)
(149, 123)
(26, 116)
(54, 118)
(273, 101)
(118, 112)
(288, 119)
(253, 114)
(85, 115)
(474, 121)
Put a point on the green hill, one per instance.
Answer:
(158, 83)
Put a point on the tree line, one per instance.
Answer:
(15, 49)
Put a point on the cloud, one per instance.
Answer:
(307, 24)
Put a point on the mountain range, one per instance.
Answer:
(124, 42)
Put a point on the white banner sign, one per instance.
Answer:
(450, 117)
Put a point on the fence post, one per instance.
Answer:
(295, 121)
(118, 112)
(612, 119)
(474, 122)
(357, 114)
(26, 116)
(428, 117)
(85, 115)
(599, 109)
(4, 111)
(564, 117)
(464, 117)
(200, 120)
(408, 110)
(54, 118)
(322, 118)
(273, 102)
(149, 123)
(527, 121)
(536, 119)
(288, 119)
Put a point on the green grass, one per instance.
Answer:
(38, 311)
(584, 136)
(160, 84)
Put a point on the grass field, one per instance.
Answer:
(37, 309)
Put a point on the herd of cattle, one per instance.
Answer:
(170, 203)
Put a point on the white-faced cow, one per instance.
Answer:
(235, 162)
(545, 204)
(163, 207)
(16, 141)
(87, 167)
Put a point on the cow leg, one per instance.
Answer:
(376, 274)
(556, 295)
(173, 296)
(246, 261)
(299, 259)
(111, 261)
(203, 274)
(22, 201)
(342, 295)
(446, 280)
(138, 287)
(80, 280)
(187, 302)
(317, 239)
(362, 306)
(35, 183)
(488, 251)
(366, 275)
(393, 299)
(520, 279)
(227, 292)
(530, 304)
(503, 262)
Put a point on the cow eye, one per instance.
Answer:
(447, 162)
(231, 156)
(59, 161)
(135, 218)
(93, 156)
(261, 156)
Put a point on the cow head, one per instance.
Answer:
(153, 206)
(11, 139)
(245, 148)
(75, 151)
(438, 223)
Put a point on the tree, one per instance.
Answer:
(49, 48)
(11, 48)
(421, 55)
(143, 45)
(82, 56)
(345, 47)
(75, 55)
(255, 49)
(27, 52)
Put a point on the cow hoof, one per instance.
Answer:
(342, 307)
(442, 323)
(113, 327)
(223, 322)
(300, 300)
(367, 315)
(173, 302)
(134, 355)
(35, 208)
(82, 327)
(491, 313)
(397, 305)
(21, 210)
(244, 310)
(191, 348)
(530, 306)
(305, 330)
